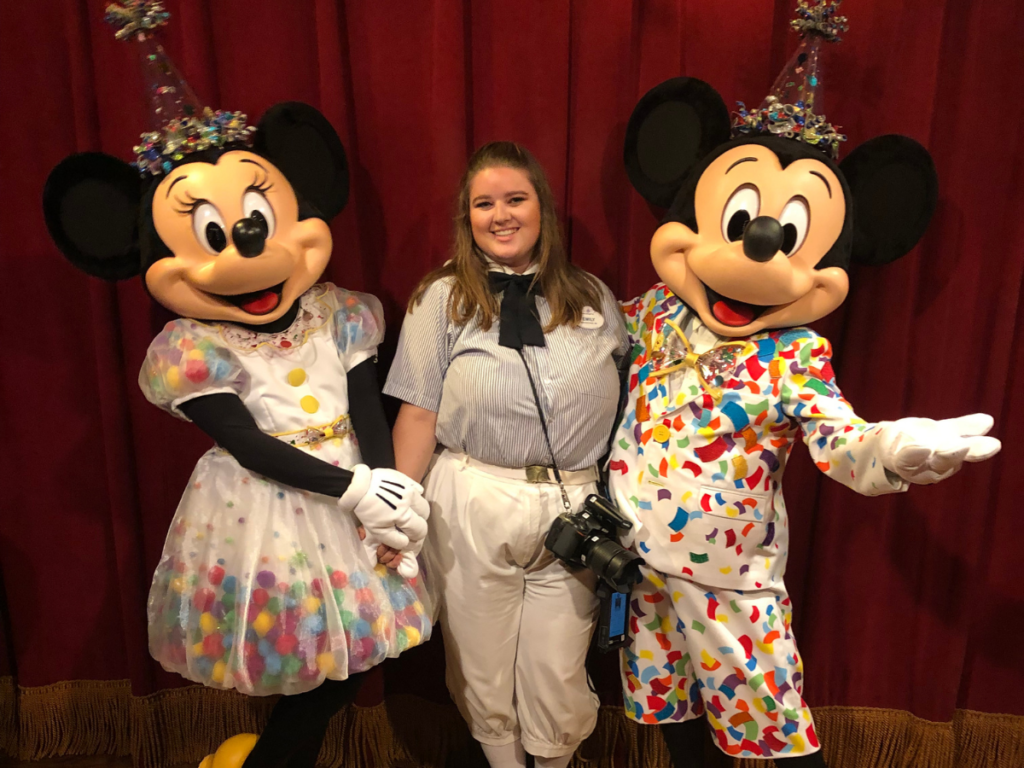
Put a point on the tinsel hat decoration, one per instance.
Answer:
(793, 107)
(179, 124)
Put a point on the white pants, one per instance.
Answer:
(516, 622)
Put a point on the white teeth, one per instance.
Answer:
(505, 232)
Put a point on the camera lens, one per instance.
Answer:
(618, 567)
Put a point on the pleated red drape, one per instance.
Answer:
(910, 602)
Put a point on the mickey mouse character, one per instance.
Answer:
(264, 585)
(724, 378)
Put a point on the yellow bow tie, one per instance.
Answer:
(719, 361)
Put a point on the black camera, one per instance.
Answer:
(588, 538)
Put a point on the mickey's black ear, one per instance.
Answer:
(894, 186)
(672, 127)
(304, 145)
(91, 206)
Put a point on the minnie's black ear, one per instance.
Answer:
(672, 127)
(304, 145)
(895, 188)
(91, 206)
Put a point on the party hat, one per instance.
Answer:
(793, 108)
(179, 124)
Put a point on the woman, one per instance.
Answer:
(507, 308)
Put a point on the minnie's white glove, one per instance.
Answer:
(389, 505)
(409, 566)
(923, 451)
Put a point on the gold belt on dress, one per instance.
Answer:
(341, 427)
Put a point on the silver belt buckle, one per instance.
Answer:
(537, 474)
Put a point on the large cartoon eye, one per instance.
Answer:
(256, 206)
(795, 220)
(743, 206)
(208, 225)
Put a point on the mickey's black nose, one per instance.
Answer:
(249, 237)
(762, 238)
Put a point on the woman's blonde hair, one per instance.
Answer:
(567, 288)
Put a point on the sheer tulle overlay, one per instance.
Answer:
(268, 589)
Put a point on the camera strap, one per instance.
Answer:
(547, 438)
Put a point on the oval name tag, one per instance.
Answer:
(591, 318)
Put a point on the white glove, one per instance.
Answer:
(408, 566)
(923, 451)
(386, 501)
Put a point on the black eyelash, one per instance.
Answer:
(260, 186)
(189, 206)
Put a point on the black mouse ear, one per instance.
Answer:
(304, 145)
(91, 207)
(672, 127)
(895, 188)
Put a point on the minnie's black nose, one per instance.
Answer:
(762, 238)
(249, 237)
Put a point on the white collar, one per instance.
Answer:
(495, 266)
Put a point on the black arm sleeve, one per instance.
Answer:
(226, 419)
(368, 419)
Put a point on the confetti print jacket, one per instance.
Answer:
(705, 476)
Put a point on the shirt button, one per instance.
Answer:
(296, 376)
(309, 404)
(661, 433)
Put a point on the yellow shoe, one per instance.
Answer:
(232, 753)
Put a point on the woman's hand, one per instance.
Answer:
(385, 554)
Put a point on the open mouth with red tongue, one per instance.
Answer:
(731, 312)
(258, 302)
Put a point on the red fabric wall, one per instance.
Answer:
(909, 602)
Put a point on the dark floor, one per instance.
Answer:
(98, 761)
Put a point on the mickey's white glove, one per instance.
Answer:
(923, 451)
(389, 505)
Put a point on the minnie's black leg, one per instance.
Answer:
(295, 732)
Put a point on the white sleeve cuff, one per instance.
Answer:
(361, 477)
(881, 480)
(361, 356)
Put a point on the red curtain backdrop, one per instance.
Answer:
(911, 602)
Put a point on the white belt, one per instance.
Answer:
(531, 474)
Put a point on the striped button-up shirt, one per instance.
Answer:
(481, 393)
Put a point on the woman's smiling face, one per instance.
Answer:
(504, 213)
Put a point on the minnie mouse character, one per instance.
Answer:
(264, 585)
(757, 240)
